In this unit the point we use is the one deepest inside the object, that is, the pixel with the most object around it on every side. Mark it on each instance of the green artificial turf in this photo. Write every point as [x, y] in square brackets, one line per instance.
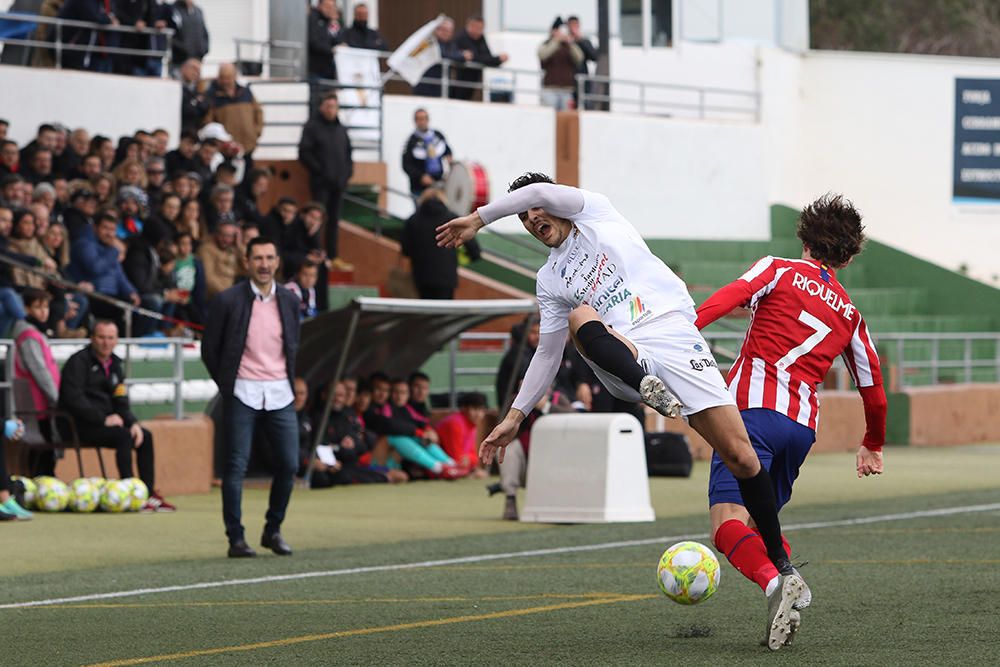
[902, 591]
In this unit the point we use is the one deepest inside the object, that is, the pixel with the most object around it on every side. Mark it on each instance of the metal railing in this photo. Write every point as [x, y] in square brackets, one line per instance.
[246, 48]
[668, 99]
[58, 45]
[941, 358]
[125, 351]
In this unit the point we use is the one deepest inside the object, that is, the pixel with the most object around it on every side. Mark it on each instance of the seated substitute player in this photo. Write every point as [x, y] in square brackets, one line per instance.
[801, 320]
[633, 321]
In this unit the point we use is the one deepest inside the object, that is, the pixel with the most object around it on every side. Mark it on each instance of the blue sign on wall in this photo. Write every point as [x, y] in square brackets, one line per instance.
[977, 141]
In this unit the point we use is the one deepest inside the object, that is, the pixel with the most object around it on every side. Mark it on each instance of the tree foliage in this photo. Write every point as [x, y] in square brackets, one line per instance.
[937, 27]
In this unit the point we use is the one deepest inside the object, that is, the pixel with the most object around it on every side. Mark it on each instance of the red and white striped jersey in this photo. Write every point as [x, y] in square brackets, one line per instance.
[801, 320]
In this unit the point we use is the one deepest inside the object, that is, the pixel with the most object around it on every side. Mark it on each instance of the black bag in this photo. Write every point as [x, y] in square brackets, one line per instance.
[668, 455]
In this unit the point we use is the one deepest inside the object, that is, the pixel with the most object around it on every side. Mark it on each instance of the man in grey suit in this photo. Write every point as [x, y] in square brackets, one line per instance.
[251, 337]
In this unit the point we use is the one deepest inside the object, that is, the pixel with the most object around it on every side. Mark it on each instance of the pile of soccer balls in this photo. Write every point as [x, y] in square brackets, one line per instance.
[688, 573]
[87, 494]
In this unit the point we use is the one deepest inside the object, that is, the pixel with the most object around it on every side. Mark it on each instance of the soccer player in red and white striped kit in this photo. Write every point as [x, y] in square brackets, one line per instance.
[801, 320]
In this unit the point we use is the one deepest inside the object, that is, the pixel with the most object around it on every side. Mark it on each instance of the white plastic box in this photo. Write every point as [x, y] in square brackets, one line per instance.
[587, 468]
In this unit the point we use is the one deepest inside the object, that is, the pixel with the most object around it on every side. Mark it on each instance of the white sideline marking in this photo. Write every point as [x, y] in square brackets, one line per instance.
[944, 511]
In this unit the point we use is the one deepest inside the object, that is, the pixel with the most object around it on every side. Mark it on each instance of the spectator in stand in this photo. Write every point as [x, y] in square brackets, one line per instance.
[43, 214]
[105, 149]
[360, 36]
[301, 242]
[131, 172]
[131, 204]
[156, 176]
[191, 222]
[12, 191]
[220, 207]
[138, 14]
[435, 269]
[46, 138]
[324, 35]
[194, 186]
[61, 186]
[444, 33]
[161, 140]
[193, 104]
[190, 36]
[228, 151]
[105, 187]
[459, 432]
[473, 40]
[22, 240]
[4, 126]
[67, 310]
[11, 306]
[90, 167]
[304, 287]
[417, 442]
[420, 393]
[236, 108]
[33, 362]
[426, 154]
[282, 214]
[249, 193]
[205, 162]
[93, 391]
[515, 361]
[183, 159]
[220, 255]
[77, 148]
[169, 214]
[189, 279]
[40, 168]
[10, 158]
[560, 58]
[143, 266]
[94, 258]
[345, 434]
[590, 55]
[325, 150]
[79, 217]
[90, 11]
[128, 149]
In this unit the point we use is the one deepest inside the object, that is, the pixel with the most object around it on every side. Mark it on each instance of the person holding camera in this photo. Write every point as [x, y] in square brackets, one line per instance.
[560, 57]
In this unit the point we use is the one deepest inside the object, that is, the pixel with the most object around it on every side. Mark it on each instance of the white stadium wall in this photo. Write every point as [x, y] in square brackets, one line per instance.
[102, 103]
[678, 179]
[880, 128]
[506, 139]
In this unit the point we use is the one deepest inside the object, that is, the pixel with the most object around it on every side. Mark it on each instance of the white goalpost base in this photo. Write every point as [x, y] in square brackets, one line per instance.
[587, 468]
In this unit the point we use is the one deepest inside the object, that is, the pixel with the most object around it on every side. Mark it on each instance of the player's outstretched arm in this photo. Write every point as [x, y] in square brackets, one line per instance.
[502, 435]
[457, 231]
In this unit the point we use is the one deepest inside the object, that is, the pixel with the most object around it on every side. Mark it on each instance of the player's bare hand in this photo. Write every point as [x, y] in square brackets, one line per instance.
[496, 442]
[454, 233]
[868, 462]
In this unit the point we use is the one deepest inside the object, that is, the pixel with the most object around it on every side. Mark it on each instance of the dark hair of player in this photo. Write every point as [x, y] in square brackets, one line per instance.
[831, 228]
[417, 375]
[529, 178]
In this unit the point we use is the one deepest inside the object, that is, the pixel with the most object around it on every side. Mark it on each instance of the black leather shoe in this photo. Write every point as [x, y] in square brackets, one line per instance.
[240, 549]
[276, 543]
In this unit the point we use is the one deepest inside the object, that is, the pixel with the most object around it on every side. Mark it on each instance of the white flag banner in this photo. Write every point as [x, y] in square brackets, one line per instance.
[418, 53]
[359, 67]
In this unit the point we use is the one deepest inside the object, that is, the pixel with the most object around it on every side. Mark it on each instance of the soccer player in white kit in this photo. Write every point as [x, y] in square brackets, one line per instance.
[633, 321]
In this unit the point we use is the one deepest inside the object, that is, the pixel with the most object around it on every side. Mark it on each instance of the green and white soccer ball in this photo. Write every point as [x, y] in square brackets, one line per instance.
[139, 493]
[99, 482]
[51, 495]
[85, 495]
[30, 491]
[116, 496]
[688, 573]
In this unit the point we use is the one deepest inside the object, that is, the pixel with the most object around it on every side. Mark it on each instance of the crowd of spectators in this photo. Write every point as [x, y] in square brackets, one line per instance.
[85, 217]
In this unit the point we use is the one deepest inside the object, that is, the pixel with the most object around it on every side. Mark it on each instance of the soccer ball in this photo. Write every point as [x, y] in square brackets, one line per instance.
[98, 482]
[30, 491]
[116, 496]
[85, 496]
[52, 495]
[688, 573]
[139, 495]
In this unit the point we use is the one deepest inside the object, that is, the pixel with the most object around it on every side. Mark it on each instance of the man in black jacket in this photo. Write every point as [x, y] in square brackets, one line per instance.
[191, 36]
[249, 346]
[92, 389]
[325, 151]
[472, 40]
[360, 36]
[426, 154]
[324, 34]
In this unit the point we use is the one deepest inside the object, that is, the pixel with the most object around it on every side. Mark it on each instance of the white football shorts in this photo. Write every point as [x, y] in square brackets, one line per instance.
[671, 348]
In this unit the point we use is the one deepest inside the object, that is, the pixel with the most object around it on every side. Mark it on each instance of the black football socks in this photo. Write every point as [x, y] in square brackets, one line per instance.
[604, 349]
[759, 499]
